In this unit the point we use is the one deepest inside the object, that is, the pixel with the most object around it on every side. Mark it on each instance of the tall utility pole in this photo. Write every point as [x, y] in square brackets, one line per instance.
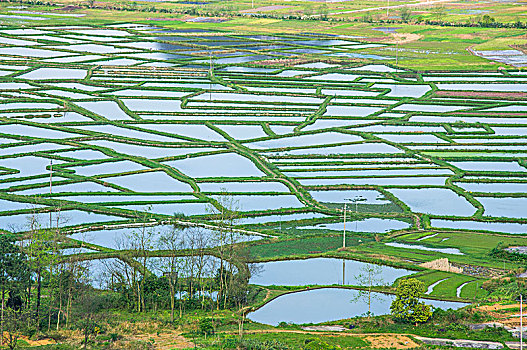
[344, 232]
[521, 322]
[50, 188]
[343, 272]
[210, 73]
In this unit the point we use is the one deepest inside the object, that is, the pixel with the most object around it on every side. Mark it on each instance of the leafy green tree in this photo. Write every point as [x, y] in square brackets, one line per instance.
[438, 12]
[318, 344]
[13, 274]
[405, 13]
[407, 307]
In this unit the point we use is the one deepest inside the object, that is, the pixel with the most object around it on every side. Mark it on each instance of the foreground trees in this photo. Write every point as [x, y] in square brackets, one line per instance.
[14, 272]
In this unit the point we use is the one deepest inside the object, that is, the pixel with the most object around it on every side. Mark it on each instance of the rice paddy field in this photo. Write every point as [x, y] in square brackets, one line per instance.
[109, 126]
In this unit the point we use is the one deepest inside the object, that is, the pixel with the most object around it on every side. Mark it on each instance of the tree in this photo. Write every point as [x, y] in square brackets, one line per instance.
[405, 13]
[127, 272]
[14, 272]
[225, 238]
[438, 12]
[369, 275]
[171, 241]
[407, 306]
[43, 253]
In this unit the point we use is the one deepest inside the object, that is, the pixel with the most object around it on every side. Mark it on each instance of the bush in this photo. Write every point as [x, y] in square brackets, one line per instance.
[205, 326]
[317, 344]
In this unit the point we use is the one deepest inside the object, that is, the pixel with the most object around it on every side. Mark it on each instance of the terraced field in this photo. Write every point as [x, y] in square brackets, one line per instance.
[103, 127]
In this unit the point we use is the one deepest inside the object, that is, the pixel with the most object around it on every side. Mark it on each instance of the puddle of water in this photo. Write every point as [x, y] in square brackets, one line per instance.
[484, 87]
[76, 187]
[489, 166]
[327, 304]
[428, 108]
[33, 131]
[349, 196]
[453, 251]
[379, 181]
[108, 168]
[54, 73]
[400, 90]
[28, 105]
[435, 201]
[68, 94]
[506, 207]
[364, 173]
[225, 96]
[20, 222]
[200, 132]
[243, 132]
[111, 130]
[163, 93]
[319, 271]
[279, 218]
[333, 92]
[335, 77]
[217, 165]
[350, 111]
[153, 105]
[149, 182]
[187, 209]
[75, 59]
[493, 187]
[415, 138]
[121, 197]
[305, 140]
[363, 148]
[107, 109]
[367, 225]
[506, 227]
[264, 202]
[147, 151]
[232, 186]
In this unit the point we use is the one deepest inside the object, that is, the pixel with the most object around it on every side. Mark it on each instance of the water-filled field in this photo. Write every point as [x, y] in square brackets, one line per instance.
[118, 125]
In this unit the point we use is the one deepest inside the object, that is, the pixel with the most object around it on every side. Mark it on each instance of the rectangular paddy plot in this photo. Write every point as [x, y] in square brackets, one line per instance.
[160, 126]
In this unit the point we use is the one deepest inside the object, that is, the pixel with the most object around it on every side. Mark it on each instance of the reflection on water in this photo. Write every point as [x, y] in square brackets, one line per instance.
[327, 304]
[319, 271]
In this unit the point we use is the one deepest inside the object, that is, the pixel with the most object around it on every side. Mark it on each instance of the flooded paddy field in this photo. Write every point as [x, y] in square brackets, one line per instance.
[103, 130]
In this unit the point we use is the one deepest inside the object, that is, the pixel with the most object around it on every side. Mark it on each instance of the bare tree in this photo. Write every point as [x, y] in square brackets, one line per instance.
[369, 276]
[225, 238]
[172, 265]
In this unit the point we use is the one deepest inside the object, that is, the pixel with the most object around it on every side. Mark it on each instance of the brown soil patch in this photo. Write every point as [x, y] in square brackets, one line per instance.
[284, 61]
[403, 38]
[497, 307]
[391, 342]
[166, 341]
[483, 94]
[69, 8]
[40, 342]
[465, 36]
[499, 312]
